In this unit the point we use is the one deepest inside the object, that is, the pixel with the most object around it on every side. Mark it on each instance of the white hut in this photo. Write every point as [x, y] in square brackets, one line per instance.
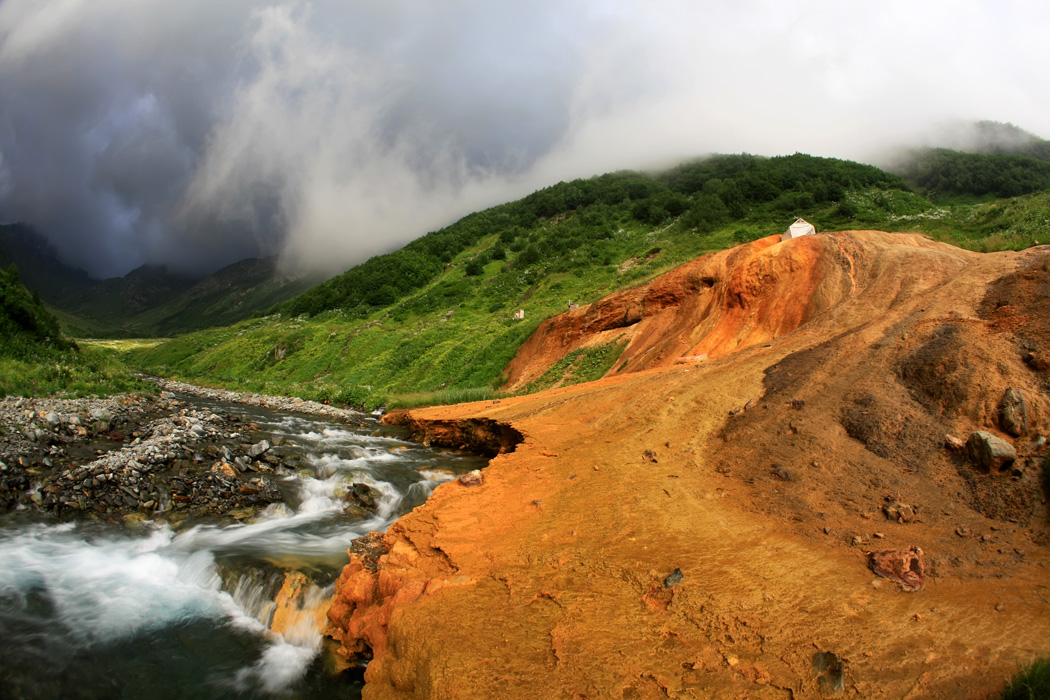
[801, 227]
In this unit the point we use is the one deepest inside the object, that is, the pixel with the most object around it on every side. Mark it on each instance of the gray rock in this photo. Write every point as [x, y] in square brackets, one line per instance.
[259, 449]
[674, 579]
[100, 414]
[991, 452]
[53, 419]
[1013, 416]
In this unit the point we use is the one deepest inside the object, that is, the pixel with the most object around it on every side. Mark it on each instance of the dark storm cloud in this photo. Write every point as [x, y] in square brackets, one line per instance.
[196, 133]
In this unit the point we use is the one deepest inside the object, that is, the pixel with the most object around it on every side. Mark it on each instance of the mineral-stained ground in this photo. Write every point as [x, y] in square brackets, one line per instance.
[705, 521]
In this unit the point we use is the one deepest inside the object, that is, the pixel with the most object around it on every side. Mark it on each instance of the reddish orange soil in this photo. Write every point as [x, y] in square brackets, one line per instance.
[855, 353]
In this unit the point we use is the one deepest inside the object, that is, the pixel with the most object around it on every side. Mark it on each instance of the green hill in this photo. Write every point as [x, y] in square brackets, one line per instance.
[977, 161]
[27, 329]
[36, 359]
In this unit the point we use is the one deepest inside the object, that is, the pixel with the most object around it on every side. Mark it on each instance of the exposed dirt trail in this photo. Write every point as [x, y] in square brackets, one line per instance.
[547, 580]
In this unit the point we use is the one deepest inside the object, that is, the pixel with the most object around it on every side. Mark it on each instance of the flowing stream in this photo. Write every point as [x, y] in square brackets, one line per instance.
[91, 610]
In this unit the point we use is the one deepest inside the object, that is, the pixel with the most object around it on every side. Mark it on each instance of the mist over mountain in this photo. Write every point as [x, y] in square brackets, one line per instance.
[193, 135]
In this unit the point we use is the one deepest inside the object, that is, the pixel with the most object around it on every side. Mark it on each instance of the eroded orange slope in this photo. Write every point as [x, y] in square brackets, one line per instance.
[548, 579]
[737, 298]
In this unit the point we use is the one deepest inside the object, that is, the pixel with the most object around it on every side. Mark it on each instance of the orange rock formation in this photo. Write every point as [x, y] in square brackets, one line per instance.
[854, 354]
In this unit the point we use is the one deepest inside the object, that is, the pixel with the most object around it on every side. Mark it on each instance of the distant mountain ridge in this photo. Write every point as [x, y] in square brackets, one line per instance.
[148, 301]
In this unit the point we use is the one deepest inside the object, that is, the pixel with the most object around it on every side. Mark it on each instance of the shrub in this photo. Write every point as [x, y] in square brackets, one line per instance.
[1031, 682]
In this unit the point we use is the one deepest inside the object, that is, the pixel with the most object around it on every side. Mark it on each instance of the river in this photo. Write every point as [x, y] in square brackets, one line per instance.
[96, 610]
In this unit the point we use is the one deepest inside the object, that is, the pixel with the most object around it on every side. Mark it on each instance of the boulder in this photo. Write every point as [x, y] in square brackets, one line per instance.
[905, 566]
[991, 452]
[363, 496]
[225, 470]
[1013, 417]
[899, 512]
[258, 449]
[473, 478]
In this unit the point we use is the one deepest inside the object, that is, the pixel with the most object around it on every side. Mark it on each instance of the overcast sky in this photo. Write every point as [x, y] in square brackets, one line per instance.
[199, 132]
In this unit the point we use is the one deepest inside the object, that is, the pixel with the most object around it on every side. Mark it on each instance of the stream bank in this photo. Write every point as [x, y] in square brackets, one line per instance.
[177, 545]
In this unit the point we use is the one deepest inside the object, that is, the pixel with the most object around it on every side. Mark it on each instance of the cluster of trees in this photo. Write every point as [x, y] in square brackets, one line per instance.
[699, 196]
[945, 175]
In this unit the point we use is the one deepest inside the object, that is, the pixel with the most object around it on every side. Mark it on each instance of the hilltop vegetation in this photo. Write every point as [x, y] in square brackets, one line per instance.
[950, 176]
[977, 162]
[36, 359]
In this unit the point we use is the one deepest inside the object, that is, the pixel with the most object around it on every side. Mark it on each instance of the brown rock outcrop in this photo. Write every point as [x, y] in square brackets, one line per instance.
[738, 298]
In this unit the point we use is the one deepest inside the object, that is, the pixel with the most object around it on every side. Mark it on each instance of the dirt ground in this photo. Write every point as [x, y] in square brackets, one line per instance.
[703, 529]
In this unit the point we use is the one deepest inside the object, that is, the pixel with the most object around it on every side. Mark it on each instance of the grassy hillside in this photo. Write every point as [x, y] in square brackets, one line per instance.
[436, 316]
[36, 359]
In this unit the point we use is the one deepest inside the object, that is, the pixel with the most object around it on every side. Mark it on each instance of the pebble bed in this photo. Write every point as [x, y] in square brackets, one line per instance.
[154, 456]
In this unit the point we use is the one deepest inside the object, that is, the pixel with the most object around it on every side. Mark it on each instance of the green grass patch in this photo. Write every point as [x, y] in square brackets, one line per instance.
[444, 397]
[581, 365]
[71, 374]
[1031, 682]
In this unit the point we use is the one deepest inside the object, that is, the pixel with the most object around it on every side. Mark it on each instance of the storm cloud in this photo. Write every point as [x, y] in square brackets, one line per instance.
[197, 133]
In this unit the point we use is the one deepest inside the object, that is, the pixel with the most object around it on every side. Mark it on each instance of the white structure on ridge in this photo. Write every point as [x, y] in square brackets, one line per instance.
[801, 227]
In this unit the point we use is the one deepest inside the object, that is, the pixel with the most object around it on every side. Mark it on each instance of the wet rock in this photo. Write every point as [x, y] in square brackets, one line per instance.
[355, 511]
[990, 452]
[258, 449]
[363, 496]
[674, 578]
[907, 567]
[473, 478]
[225, 470]
[1013, 416]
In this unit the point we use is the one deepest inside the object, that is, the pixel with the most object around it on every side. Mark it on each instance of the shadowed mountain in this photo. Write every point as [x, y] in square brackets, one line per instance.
[148, 301]
[38, 264]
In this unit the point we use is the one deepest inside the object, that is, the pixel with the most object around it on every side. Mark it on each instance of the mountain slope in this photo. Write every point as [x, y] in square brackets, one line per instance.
[229, 295]
[709, 525]
[39, 266]
[118, 298]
